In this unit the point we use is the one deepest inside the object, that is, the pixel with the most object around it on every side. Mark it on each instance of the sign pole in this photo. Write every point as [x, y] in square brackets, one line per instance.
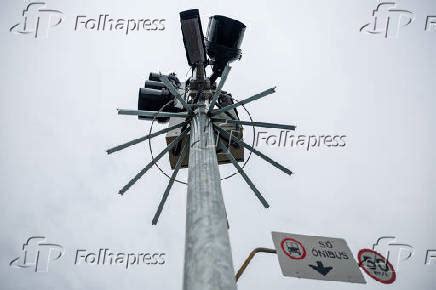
[208, 258]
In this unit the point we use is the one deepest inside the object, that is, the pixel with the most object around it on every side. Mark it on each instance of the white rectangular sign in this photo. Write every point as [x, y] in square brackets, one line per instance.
[313, 257]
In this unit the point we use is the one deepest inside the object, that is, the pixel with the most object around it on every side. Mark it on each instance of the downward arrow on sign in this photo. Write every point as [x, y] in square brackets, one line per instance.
[320, 268]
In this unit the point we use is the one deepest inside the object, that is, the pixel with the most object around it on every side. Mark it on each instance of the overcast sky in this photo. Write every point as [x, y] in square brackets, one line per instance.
[58, 95]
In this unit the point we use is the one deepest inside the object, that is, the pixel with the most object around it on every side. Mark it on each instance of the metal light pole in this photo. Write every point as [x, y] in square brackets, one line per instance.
[208, 258]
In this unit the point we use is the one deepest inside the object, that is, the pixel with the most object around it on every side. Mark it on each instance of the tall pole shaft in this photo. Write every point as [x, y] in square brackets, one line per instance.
[208, 258]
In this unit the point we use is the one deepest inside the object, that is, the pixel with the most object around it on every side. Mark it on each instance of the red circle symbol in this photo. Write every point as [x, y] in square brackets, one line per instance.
[293, 249]
[376, 266]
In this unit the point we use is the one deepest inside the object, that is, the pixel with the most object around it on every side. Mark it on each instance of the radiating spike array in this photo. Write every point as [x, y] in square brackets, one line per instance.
[232, 139]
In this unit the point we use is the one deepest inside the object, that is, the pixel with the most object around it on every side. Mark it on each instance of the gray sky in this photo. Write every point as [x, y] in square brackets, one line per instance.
[58, 97]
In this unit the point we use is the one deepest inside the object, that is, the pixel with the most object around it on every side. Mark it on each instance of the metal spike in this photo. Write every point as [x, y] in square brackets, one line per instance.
[156, 159]
[244, 176]
[243, 102]
[175, 93]
[256, 124]
[228, 114]
[151, 114]
[170, 184]
[146, 137]
[258, 153]
[217, 93]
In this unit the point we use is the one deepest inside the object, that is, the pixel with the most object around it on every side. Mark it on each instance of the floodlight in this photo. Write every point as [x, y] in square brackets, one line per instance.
[223, 42]
[193, 37]
[154, 100]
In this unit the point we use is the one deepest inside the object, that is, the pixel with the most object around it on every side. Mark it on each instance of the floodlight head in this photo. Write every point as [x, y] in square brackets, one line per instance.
[223, 41]
[153, 100]
[155, 96]
[193, 37]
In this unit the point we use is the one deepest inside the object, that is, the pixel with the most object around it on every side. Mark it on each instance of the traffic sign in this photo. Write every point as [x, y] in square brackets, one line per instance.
[376, 266]
[315, 257]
